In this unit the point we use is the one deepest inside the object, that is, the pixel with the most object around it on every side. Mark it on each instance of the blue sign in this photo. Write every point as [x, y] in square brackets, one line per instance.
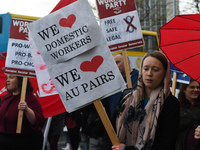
[181, 76]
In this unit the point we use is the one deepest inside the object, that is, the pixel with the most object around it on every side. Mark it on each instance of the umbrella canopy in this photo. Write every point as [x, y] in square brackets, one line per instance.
[180, 41]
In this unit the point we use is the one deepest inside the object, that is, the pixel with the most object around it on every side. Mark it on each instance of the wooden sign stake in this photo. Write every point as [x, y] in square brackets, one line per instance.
[174, 83]
[127, 71]
[106, 122]
[22, 99]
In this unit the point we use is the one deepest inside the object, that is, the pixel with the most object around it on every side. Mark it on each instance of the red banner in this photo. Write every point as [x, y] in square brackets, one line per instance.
[62, 4]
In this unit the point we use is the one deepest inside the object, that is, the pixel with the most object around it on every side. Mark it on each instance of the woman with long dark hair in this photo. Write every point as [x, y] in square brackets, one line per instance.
[31, 137]
[189, 97]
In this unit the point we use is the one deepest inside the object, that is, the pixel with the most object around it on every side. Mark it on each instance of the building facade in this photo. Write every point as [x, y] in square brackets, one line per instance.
[155, 13]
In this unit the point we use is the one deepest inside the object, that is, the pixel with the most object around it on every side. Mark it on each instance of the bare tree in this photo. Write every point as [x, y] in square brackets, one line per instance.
[197, 5]
[190, 7]
[94, 8]
[153, 13]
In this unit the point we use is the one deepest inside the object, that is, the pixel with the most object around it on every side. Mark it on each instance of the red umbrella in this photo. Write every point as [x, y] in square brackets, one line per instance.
[180, 41]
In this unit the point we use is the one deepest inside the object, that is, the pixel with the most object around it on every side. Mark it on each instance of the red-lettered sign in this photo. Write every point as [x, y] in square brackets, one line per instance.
[19, 58]
[120, 24]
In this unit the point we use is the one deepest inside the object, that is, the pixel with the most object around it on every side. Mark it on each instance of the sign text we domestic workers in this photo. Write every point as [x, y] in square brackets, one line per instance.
[65, 36]
[53, 30]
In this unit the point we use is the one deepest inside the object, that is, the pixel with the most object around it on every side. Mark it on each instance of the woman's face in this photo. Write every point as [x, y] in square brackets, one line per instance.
[192, 91]
[12, 84]
[152, 73]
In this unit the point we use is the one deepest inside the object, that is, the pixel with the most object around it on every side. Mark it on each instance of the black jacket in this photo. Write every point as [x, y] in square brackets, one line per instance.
[167, 127]
[186, 123]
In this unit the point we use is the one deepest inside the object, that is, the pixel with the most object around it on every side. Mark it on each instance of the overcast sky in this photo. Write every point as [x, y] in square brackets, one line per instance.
[37, 8]
[41, 8]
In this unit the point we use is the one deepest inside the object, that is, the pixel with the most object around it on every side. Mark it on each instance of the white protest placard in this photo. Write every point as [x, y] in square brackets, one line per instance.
[120, 24]
[86, 73]
[65, 33]
[87, 77]
[19, 59]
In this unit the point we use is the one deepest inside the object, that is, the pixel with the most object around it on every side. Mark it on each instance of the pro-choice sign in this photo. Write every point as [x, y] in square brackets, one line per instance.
[76, 54]
[120, 24]
[19, 59]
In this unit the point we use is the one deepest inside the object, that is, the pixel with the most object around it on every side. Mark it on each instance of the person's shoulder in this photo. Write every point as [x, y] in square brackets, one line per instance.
[171, 105]
[171, 99]
[7, 95]
[31, 96]
[135, 71]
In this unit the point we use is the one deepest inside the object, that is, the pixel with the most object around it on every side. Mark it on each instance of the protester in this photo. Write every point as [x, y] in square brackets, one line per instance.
[31, 136]
[94, 127]
[73, 123]
[113, 100]
[55, 130]
[189, 97]
[148, 117]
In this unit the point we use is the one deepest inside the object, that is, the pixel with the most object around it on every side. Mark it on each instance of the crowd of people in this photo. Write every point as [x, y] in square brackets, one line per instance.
[145, 117]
